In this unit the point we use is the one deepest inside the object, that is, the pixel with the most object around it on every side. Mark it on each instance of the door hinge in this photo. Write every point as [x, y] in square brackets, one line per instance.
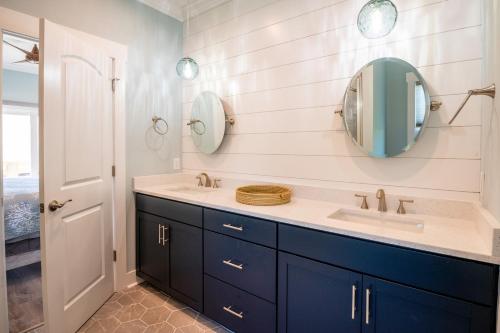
[42, 208]
[114, 255]
[113, 83]
[113, 171]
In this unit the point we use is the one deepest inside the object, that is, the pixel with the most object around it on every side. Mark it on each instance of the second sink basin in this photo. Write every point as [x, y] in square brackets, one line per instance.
[379, 219]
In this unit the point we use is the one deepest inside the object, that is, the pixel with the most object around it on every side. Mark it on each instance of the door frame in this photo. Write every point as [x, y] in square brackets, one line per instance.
[24, 24]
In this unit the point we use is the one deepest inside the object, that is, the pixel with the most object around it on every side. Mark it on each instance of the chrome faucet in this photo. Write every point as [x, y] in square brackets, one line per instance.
[207, 183]
[382, 205]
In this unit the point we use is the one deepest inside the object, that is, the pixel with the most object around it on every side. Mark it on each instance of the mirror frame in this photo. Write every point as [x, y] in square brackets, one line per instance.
[427, 107]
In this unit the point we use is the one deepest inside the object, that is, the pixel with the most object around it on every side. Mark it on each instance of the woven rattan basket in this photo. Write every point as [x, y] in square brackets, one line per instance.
[263, 195]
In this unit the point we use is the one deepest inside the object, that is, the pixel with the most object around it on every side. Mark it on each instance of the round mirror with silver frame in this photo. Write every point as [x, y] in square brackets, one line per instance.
[386, 107]
[208, 122]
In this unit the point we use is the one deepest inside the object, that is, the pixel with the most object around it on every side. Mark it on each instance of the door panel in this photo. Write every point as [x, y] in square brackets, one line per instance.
[153, 254]
[186, 262]
[395, 308]
[82, 269]
[77, 138]
[314, 297]
[84, 110]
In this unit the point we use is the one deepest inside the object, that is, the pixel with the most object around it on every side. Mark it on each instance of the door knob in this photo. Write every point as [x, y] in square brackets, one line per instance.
[55, 205]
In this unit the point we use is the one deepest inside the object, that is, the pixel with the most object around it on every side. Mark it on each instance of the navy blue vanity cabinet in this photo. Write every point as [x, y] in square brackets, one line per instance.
[401, 290]
[169, 248]
[391, 307]
[153, 254]
[314, 297]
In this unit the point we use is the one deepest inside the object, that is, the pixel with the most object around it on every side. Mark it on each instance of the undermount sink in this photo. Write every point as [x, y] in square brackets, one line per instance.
[379, 219]
[188, 189]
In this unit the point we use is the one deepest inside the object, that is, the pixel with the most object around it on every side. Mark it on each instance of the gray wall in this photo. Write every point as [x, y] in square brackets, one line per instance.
[154, 43]
[20, 87]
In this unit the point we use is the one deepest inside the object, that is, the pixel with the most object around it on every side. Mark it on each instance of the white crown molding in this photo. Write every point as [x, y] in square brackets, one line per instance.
[179, 9]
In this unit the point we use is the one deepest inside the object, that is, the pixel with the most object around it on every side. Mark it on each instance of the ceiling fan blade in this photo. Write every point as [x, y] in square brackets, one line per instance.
[20, 61]
[16, 47]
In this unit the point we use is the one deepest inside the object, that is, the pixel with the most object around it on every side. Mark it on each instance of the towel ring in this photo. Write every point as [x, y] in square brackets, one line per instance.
[157, 128]
[192, 124]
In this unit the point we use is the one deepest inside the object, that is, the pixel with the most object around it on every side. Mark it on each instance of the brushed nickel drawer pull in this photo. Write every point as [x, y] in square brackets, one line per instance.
[353, 302]
[230, 263]
[164, 238]
[232, 227]
[234, 313]
[367, 318]
[159, 234]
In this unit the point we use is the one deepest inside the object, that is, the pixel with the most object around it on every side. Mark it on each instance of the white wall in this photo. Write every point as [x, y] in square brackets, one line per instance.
[282, 66]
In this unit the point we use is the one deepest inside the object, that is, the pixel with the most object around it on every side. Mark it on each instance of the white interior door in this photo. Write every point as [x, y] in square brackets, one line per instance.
[77, 152]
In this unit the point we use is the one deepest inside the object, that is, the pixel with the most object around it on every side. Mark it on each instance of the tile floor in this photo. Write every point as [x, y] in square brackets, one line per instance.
[143, 309]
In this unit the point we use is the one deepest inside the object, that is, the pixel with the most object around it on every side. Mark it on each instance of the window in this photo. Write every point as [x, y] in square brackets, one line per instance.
[20, 141]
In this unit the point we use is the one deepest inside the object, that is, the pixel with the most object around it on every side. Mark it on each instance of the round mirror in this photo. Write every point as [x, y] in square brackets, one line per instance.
[208, 122]
[386, 107]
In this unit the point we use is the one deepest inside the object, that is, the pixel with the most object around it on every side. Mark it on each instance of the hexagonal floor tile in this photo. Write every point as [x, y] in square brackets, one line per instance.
[130, 312]
[156, 315]
[184, 317]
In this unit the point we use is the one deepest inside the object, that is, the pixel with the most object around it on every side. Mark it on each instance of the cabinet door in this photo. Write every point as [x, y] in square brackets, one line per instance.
[152, 249]
[314, 297]
[389, 307]
[186, 263]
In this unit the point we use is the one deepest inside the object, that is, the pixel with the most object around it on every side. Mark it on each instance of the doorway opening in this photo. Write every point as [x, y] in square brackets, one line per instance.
[20, 156]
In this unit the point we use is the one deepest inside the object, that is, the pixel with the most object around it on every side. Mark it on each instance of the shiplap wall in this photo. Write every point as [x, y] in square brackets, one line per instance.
[281, 68]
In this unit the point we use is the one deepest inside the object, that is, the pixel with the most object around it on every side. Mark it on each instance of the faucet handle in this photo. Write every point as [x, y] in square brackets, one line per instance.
[364, 204]
[401, 208]
[215, 184]
[200, 183]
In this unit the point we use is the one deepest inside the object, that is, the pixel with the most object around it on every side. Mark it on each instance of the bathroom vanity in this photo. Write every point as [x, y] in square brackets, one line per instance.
[255, 274]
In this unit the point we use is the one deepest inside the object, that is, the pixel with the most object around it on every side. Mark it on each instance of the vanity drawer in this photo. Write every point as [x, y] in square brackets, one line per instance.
[464, 279]
[238, 310]
[243, 227]
[170, 209]
[242, 264]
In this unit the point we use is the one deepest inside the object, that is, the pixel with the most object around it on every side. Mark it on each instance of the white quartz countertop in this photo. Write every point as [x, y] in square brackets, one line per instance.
[444, 235]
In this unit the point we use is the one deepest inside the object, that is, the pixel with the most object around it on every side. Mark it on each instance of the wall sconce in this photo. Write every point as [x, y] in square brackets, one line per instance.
[377, 18]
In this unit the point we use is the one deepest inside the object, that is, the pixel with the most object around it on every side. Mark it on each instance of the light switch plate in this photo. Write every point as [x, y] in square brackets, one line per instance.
[177, 163]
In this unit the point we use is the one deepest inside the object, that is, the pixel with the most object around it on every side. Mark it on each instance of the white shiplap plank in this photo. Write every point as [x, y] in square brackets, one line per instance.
[445, 174]
[324, 119]
[455, 142]
[195, 30]
[444, 79]
[334, 68]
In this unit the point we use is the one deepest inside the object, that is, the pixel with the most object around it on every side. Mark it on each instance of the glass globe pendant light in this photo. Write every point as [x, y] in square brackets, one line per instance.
[377, 18]
[187, 68]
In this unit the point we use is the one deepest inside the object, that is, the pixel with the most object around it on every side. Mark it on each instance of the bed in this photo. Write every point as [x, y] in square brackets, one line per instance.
[21, 208]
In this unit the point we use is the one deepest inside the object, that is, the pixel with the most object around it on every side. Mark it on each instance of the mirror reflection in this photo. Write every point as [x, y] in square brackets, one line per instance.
[208, 122]
[386, 106]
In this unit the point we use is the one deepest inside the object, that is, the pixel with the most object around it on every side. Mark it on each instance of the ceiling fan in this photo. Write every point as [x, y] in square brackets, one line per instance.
[31, 57]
